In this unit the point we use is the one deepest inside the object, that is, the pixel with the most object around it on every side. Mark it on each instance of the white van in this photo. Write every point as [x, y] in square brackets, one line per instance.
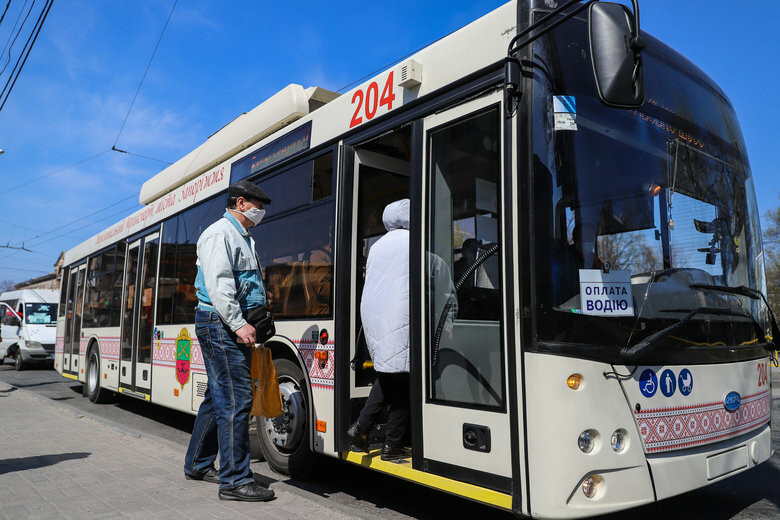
[29, 326]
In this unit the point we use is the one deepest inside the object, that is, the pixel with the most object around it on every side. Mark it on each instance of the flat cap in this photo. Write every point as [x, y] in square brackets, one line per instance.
[248, 190]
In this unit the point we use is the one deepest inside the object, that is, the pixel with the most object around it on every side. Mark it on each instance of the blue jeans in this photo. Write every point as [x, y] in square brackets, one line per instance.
[223, 417]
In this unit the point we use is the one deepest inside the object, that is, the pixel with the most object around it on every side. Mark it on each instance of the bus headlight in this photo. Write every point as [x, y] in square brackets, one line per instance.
[33, 345]
[590, 485]
[586, 440]
[619, 440]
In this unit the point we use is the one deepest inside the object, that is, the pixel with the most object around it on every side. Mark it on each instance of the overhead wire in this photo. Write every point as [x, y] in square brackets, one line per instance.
[18, 16]
[5, 11]
[144, 76]
[26, 50]
[17, 34]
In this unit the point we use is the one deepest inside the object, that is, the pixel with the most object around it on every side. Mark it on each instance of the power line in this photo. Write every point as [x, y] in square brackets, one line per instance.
[18, 16]
[5, 11]
[18, 269]
[26, 50]
[55, 171]
[17, 34]
[77, 229]
[145, 72]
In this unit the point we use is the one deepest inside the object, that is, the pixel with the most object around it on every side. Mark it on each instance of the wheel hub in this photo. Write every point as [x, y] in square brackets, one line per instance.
[286, 431]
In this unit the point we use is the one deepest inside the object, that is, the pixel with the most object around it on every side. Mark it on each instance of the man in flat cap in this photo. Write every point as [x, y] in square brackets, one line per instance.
[228, 284]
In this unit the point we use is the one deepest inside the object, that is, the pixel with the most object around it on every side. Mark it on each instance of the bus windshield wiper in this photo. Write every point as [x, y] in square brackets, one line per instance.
[630, 355]
[755, 294]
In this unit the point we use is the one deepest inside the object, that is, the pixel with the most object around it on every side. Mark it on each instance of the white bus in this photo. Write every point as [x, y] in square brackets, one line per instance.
[590, 194]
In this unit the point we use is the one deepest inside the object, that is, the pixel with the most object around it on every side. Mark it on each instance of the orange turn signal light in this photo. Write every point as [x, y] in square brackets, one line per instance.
[322, 426]
[321, 355]
[574, 381]
[105, 376]
[176, 392]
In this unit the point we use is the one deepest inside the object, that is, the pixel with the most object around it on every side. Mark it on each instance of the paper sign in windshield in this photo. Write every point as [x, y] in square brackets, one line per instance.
[606, 294]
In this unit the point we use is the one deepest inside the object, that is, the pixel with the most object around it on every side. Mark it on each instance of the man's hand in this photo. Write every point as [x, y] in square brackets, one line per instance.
[246, 334]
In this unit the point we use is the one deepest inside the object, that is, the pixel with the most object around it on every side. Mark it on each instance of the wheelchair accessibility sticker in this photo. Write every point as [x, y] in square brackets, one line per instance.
[648, 383]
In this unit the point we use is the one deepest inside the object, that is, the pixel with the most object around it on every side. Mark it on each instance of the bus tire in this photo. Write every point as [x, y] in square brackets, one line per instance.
[92, 386]
[288, 452]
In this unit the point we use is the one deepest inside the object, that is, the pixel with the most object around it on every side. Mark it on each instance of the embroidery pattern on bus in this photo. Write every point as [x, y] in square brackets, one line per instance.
[320, 376]
[109, 348]
[676, 428]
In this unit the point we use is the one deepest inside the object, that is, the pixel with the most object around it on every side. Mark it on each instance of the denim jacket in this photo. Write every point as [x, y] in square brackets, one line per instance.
[228, 280]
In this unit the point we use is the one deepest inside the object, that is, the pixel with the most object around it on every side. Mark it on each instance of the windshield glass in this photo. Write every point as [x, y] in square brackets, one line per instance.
[659, 198]
[40, 313]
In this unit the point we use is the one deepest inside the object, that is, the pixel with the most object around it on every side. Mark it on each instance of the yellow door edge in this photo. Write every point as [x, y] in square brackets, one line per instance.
[404, 470]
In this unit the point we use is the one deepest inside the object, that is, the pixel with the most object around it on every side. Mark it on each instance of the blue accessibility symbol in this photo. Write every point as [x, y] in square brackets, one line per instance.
[648, 383]
[668, 383]
[685, 381]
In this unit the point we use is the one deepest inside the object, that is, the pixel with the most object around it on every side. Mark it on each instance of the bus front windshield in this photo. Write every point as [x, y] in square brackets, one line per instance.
[40, 313]
[663, 193]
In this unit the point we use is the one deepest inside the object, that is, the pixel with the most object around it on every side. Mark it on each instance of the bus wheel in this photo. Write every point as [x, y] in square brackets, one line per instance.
[94, 392]
[284, 440]
[19, 362]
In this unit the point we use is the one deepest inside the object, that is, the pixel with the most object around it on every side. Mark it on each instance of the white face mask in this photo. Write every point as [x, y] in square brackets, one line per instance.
[254, 214]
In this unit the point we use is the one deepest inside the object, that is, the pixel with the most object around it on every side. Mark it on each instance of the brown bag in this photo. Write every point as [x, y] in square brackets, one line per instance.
[266, 397]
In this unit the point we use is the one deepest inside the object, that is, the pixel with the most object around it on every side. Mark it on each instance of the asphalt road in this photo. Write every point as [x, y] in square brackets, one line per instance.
[748, 496]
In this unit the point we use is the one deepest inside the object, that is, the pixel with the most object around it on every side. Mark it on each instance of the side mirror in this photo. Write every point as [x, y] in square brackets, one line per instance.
[615, 54]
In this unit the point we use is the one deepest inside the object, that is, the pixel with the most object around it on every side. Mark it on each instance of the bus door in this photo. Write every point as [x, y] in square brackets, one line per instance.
[465, 418]
[73, 312]
[138, 307]
[380, 176]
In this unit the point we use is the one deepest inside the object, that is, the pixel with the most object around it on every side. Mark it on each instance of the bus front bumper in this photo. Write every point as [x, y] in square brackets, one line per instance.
[675, 473]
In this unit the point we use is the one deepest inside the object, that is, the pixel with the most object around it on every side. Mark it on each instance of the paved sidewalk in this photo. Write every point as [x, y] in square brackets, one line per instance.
[57, 463]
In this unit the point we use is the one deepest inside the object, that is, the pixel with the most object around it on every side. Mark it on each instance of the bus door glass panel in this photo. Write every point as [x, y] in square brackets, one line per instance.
[74, 339]
[128, 305]
[381, 177]
[464, 367]
[145, 308]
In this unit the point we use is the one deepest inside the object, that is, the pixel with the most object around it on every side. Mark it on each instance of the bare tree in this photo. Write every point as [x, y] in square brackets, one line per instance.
[7, 285]
[772, 256]
[629, 251]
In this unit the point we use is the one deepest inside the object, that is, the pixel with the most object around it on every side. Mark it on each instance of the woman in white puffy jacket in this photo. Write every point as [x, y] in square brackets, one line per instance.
[384, 310]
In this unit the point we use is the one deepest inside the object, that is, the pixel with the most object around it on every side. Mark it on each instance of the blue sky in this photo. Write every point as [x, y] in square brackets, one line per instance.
[219, 59]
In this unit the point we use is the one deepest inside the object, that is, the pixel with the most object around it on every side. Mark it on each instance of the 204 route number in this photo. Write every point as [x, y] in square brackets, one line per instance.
[763, 376]
[369, 101]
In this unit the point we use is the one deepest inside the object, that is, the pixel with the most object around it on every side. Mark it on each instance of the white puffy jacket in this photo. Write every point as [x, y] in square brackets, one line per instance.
[384, 308]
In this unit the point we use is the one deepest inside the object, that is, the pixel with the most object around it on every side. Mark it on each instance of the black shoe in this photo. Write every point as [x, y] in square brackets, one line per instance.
[252, 492]
[395, 454]
[210, 475]
[358, 437]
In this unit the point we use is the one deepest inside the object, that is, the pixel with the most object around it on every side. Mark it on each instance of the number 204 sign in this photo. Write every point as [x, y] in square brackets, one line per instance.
[374, 99]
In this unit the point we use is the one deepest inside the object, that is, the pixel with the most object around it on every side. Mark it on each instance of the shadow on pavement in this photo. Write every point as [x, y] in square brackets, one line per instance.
[7, 391]
[385, 492]
[40, 461]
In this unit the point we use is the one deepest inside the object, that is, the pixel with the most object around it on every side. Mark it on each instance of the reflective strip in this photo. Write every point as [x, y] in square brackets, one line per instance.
[404, 470]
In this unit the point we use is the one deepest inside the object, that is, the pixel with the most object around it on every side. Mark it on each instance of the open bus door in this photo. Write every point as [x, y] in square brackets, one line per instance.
[465, 412]
[377, 174]
[460, 424]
